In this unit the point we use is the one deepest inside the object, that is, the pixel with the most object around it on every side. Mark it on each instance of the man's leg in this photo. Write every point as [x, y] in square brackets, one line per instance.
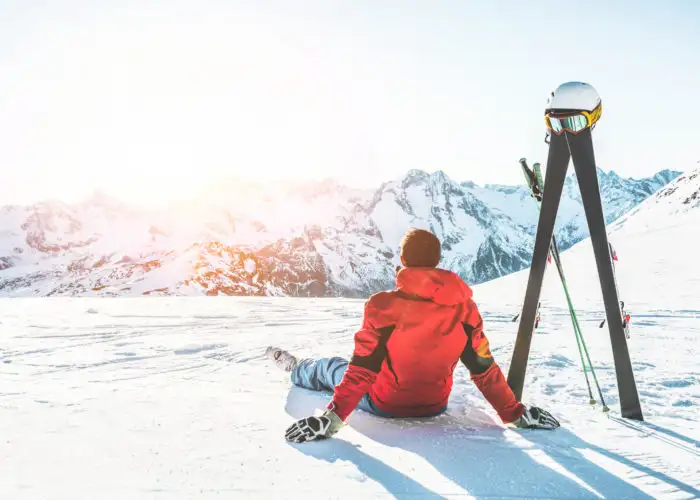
[324, 374]
[319, 374]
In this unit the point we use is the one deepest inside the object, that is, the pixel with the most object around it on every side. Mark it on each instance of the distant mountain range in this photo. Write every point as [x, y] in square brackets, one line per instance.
[317, 239]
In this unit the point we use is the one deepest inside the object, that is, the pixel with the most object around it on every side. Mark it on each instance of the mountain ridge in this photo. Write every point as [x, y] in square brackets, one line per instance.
[313, 239]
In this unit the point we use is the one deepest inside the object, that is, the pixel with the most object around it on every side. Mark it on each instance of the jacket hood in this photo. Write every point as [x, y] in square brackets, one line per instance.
[437, 285]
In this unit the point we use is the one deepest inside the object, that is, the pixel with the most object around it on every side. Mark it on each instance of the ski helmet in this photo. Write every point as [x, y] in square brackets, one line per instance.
[572, 107]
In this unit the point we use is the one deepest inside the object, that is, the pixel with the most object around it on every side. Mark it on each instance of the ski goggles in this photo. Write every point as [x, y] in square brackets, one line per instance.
[559, 122]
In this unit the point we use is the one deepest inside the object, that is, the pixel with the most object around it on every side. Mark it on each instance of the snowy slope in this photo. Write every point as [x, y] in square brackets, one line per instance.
[318, 239]
[657, 246]
[172, 398]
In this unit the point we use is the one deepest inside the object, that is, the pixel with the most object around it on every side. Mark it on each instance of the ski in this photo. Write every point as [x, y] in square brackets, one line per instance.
[533, 180]
[581, 147]
[557, 164]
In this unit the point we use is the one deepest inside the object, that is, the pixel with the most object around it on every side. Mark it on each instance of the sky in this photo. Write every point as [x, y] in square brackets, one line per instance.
[153, 100]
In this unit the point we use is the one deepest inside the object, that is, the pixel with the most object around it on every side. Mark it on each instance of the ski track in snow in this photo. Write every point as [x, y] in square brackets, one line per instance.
[173, 398]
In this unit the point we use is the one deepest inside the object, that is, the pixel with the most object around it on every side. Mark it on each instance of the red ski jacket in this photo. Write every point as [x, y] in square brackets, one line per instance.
[409, 344]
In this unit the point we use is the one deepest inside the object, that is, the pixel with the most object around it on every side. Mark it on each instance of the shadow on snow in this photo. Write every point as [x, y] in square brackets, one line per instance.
[476, 454]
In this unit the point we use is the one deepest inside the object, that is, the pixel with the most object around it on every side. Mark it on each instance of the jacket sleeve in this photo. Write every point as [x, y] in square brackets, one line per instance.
[485, 373]
[366, 362]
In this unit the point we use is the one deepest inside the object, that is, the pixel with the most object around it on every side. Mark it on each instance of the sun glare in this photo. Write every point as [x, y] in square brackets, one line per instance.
[152, 118]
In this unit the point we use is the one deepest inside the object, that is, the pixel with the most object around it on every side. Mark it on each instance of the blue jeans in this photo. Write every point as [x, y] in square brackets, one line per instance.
[324, 374]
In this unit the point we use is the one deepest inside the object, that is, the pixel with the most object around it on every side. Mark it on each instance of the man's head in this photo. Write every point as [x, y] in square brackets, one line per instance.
[420, 248]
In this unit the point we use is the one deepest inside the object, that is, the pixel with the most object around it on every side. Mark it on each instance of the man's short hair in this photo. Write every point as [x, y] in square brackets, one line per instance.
[420, 248]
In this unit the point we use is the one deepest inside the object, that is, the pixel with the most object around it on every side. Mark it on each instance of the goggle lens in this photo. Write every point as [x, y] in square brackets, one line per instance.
[573, 123]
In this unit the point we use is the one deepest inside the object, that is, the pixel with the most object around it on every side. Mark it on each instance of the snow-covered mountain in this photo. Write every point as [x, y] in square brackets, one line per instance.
[318, 239]
[619, 195]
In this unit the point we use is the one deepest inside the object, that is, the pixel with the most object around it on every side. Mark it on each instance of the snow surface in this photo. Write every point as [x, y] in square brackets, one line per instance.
[173, 398]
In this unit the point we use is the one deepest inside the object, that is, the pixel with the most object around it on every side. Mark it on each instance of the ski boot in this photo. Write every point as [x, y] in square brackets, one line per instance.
[283, 359]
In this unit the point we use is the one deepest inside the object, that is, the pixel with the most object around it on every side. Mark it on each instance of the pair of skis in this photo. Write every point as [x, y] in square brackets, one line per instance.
[567, 147]
[533, 178]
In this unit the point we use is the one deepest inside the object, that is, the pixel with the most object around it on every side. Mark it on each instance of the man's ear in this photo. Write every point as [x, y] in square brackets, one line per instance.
[403, 262]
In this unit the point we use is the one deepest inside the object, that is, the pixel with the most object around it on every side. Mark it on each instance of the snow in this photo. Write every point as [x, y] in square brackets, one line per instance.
[515, 202]
[173, 397]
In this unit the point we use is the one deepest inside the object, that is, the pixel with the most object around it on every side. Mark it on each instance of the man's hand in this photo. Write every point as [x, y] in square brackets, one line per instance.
[536, 418]
[310, 428]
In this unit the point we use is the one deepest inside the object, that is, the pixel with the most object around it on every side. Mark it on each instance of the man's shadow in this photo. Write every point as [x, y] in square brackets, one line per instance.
[476, 454]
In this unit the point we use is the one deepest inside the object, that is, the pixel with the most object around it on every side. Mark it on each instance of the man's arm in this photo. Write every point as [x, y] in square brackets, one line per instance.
[485, 373]
[366, 362]
[368, 355]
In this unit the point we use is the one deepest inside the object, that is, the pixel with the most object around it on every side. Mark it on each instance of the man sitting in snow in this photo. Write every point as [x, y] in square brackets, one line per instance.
[406, 351]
